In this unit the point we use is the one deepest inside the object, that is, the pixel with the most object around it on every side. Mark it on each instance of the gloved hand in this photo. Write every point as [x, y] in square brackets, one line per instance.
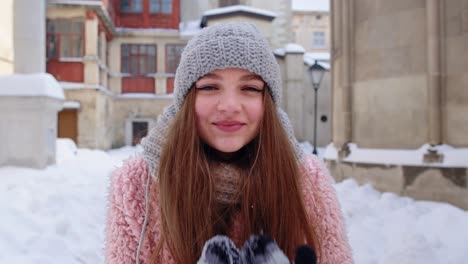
[259, 249]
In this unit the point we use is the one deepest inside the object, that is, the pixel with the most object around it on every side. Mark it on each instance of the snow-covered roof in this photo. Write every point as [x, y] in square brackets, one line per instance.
[71, 105]
[453, 157]
[76, 2]
[38, 84]
[322, 58]
[239, 8]
[83, 86]
[311, 5]
[290, 48]
[294, 48]
[190, 28]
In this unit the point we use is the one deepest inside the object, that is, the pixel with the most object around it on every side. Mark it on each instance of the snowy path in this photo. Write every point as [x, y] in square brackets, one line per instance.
[57, 216]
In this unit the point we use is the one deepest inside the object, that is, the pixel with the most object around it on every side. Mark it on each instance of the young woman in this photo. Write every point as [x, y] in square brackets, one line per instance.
[223, 160]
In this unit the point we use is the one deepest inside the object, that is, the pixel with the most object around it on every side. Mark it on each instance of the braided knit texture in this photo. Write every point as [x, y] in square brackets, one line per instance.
[221, 46]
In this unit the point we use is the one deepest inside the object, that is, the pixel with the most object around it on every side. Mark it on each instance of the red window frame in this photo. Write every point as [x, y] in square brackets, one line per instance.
[67, 32]
[160, 6]
[132, 7]
[138, 59]
[171, 66]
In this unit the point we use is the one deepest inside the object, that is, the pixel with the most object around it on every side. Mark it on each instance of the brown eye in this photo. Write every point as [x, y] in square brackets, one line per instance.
[206, 88]
[252, 89]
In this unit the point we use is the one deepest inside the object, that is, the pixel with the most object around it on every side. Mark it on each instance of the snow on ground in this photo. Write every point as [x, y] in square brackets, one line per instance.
[57, 215]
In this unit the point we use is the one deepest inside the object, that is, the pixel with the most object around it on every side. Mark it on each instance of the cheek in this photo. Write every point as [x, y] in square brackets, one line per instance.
[202, 111]
[256, 112]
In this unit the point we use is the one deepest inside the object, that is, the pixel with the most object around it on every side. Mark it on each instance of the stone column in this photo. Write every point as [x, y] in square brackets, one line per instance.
[434, 80]
[294, 80]
[348, 38]
[29, 36]
[91, 66]
[342, 64]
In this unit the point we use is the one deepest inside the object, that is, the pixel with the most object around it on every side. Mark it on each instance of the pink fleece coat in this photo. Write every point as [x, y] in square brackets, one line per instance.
[126, 211]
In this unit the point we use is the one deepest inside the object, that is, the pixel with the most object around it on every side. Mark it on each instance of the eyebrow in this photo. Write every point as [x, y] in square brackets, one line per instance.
[210, 76]
[246, 77]
[251, 77]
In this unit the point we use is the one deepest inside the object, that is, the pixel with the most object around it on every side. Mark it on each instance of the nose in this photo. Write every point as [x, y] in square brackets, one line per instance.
[229, 102]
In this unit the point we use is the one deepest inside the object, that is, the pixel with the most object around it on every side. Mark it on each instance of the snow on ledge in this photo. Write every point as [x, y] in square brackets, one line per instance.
[76, 2]
[453, 157]
[237, 8]
[311, 5]
[145, 95]
[294, 48]
[189, 28]
[71, 105]
[146, 31]
[38, 84]
[280, 52]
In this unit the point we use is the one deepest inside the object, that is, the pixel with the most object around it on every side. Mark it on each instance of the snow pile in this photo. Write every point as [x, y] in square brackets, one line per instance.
[57, 215]
[65, 149]
[386, 228]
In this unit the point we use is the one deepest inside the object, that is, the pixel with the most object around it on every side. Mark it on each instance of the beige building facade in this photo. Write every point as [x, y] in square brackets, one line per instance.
[311, 29]
[280, 36]
[105, 111]
[399, 78]
[108, 105]
[6, 38]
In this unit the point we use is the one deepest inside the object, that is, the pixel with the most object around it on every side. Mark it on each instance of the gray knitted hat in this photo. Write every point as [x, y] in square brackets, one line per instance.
[227, 45]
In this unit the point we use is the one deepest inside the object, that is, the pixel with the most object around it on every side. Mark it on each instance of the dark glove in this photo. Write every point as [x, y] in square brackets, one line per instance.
[219, 250]
[259, 249]
[305, 255]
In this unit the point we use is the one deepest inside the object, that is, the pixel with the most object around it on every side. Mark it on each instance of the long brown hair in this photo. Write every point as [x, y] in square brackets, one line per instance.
[270, 193]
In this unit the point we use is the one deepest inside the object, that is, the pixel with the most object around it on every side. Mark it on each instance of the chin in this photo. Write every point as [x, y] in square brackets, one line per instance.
[228, 148]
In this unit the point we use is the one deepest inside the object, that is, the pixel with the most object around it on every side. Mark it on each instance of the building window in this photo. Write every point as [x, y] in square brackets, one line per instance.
[318, 39]
[65, 38]
[160, 6]
[223, 3]
[138, 59]
[131, 6]
[173, 53]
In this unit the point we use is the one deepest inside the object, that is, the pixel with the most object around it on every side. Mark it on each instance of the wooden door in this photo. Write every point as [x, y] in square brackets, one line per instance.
[139, 131]
[68, 124]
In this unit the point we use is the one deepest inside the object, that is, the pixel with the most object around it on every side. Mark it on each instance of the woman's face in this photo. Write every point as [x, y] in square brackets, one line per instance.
[229, 108]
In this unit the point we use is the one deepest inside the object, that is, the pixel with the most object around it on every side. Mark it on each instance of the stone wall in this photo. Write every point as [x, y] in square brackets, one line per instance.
[127, 109]
[399, 78]
[298, 99]
[94, 117]
[425, 183]
[399, 73]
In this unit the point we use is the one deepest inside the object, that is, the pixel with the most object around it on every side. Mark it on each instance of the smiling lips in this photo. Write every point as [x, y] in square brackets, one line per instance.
[229, 126]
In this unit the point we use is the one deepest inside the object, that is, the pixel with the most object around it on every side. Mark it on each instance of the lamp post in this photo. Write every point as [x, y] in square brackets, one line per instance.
[316, 72]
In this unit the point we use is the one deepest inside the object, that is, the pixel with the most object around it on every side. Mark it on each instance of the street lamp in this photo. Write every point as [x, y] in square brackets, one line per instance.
[316, 72]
